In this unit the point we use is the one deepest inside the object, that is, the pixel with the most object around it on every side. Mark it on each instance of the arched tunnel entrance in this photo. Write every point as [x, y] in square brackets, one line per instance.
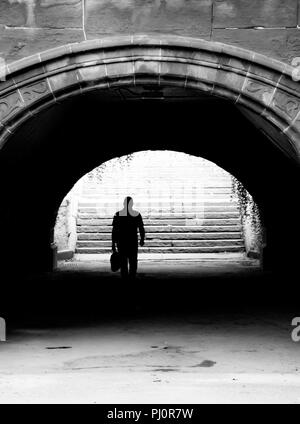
[191, 208]
[66, 111]
[49, 153]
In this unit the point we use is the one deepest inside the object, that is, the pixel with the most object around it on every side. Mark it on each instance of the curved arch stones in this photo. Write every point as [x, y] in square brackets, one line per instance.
[257, 84]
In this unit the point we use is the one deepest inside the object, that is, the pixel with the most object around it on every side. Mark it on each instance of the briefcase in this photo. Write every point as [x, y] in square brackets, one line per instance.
[115, 261]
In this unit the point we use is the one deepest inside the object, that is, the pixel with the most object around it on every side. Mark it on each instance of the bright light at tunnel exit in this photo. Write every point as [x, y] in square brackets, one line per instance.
[188, 203]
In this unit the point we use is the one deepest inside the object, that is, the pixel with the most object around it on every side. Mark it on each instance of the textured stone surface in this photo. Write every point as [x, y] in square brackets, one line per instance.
[61, 227]
[287, 106]
[281, 44]
[253, 13]
[17, 43]
[31, 26]
[42, 13]
[10, 105]
[12, 14]
[34, 92]
[132, 16]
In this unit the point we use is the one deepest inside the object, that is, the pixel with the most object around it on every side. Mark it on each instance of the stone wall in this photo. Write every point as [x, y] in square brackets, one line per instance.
[65, 236]
[61, 234]
[266, 26]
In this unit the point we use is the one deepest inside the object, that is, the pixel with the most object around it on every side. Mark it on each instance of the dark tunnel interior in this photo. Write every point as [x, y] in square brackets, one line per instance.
[49, 153]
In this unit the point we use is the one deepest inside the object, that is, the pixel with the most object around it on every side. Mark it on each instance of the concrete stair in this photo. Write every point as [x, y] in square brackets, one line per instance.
[180, 216]
[213, 229]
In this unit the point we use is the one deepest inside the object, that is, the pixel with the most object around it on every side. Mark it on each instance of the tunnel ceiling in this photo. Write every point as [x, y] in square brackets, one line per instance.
[61, 144]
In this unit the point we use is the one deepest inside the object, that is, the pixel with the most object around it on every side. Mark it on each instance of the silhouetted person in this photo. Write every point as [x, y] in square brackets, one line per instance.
[126, 224]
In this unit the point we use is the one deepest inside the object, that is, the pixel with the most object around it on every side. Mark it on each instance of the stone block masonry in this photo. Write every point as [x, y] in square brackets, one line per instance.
[269, 27]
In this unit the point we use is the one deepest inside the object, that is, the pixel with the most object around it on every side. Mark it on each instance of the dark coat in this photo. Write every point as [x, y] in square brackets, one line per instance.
[125, 230]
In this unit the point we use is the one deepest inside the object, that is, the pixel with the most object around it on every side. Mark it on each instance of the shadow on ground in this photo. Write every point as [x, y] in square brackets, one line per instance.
[88, 290]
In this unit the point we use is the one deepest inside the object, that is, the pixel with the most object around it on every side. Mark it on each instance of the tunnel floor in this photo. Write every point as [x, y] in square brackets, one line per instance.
[188, 331]
[236, 358]
[158, 266]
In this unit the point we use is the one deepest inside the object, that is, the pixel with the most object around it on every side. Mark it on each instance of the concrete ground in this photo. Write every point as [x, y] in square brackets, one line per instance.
[149, 354]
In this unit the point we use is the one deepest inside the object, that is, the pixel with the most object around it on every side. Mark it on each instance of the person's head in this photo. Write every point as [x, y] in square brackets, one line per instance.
[128, 202]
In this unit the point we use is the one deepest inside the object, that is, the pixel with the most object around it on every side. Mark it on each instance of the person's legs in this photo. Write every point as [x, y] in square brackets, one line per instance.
[124, 265]
[133, 263]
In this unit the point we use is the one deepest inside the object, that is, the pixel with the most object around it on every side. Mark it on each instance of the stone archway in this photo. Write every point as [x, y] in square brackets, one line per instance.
[41, 90]
[263, 88]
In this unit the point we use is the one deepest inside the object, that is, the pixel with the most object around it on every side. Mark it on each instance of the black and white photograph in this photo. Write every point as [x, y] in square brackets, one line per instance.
[149, 205]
